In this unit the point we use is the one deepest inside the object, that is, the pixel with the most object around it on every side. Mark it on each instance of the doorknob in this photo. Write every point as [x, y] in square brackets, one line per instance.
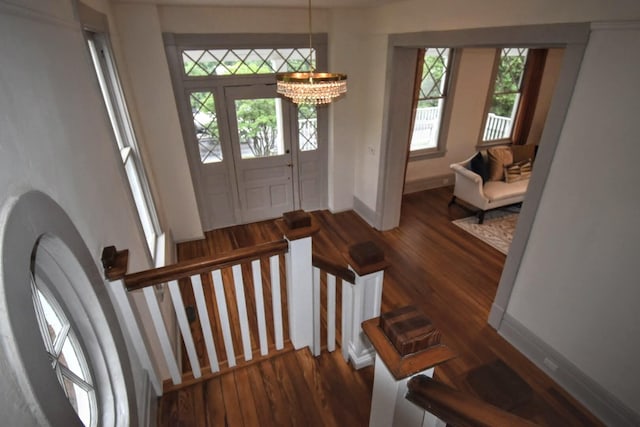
[290, 165]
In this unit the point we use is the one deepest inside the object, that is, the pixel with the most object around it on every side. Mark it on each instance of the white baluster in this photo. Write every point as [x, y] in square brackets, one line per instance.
[259, 298]
[300, 292]
[331, 312]
[130, 320]
[276, 301]
[242, 311]
[183, 323]
[317, 347]
[205, 322]
[223, 312]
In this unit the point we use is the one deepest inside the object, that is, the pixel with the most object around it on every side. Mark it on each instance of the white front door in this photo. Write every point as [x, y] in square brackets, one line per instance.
[260, 131]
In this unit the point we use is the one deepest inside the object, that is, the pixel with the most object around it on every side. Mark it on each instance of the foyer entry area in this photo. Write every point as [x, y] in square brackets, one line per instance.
[432, 263]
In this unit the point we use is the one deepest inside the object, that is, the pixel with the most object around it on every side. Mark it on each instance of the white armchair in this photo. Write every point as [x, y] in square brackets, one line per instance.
[485, 196]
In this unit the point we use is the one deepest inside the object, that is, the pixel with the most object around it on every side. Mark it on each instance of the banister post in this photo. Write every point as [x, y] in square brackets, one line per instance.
[115, 264]
[406, 344]
[362, 300]
[298, 227]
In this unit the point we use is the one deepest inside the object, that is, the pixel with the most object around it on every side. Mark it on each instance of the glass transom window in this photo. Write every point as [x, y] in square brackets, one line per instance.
[65, 355]
[228, 62]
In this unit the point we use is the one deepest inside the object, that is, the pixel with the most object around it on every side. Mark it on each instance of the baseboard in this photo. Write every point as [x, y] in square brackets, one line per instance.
[428, 183]
[367, 358]
[365, 212]
[495, 316]
[599, 401]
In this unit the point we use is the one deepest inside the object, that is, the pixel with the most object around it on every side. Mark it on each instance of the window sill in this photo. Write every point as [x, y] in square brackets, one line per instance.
[497, 143]
[432, 153]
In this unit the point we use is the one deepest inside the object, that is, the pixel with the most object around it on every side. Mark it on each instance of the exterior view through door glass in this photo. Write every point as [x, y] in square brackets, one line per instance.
[260, 131]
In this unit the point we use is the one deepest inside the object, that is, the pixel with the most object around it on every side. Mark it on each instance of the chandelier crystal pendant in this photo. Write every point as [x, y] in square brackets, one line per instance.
[311, 87]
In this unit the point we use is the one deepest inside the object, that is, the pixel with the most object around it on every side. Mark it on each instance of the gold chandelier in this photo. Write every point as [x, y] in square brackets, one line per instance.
[311, 87]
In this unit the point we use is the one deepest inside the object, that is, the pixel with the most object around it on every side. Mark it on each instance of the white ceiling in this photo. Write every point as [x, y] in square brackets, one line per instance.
[267, 3]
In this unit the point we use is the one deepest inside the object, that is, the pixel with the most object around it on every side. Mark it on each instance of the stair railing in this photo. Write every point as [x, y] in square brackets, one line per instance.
[227, 322]
[408, 348]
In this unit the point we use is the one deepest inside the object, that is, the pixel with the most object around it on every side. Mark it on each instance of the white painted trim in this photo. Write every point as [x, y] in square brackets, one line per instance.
[365, 212]
[347, 317]
[598, 400]
[428, 183]
[363, 358]
[615, 25]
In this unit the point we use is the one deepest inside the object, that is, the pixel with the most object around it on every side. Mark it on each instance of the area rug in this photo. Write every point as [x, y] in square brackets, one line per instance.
[497, 229]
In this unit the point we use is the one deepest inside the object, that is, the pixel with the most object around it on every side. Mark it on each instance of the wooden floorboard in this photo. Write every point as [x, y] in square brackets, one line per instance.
[450, 274]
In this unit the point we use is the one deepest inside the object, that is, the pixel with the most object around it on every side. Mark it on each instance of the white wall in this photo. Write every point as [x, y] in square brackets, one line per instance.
[577, 287]
[140, 37]
[55, 137]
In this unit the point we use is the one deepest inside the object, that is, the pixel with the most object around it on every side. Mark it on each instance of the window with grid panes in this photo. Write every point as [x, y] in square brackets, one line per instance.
[237, 62]
[506, 95]
[430, 99]
[125, 137]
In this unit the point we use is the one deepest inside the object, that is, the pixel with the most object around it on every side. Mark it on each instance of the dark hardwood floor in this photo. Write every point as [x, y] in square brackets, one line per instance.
[451, 275]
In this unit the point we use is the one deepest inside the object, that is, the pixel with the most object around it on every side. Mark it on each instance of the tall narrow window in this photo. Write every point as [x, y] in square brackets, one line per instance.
[431, 95]
[125, 137]
[506, 96]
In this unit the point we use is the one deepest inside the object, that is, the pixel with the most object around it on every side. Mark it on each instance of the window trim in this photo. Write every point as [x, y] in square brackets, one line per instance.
[125, 139]
[35, 221]
[440, 150]
[522, 100]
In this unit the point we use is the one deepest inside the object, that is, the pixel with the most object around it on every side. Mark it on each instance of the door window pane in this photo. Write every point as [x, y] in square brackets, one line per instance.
[205, 125]
[259, 127]
[307, 127]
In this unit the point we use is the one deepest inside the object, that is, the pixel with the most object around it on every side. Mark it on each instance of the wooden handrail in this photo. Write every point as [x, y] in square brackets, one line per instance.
[459, 408]
[200, 265]
[325, 264]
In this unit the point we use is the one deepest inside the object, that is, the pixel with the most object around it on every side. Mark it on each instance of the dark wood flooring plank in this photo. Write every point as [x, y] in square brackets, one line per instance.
[232, 406]
[245, 396]
[214, 403]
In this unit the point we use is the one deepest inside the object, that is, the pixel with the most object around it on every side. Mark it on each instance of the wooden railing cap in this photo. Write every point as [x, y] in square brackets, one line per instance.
[419, 342]
[298, 224]
[366, 258]
[114, 262]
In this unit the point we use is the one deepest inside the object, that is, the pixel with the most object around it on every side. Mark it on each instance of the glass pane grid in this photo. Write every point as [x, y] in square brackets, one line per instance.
[220, 62]
[307, 127]
[205, 124]
[434, 71]
[506, 96]
[431, 98]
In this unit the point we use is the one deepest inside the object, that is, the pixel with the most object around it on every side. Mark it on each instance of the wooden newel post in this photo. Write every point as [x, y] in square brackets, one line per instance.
[298, 227]
[407, 344]
[361, 301]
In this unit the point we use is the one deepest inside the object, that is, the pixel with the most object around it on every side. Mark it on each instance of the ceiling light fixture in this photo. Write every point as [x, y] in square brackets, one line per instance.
[311, 87]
